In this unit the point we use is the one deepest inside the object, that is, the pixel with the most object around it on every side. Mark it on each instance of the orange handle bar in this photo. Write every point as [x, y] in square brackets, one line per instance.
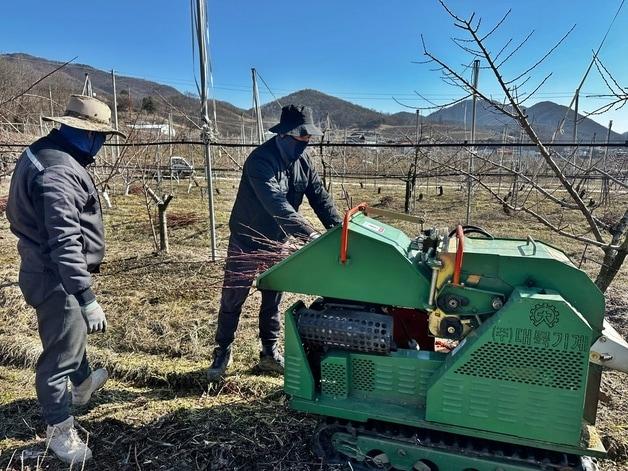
[459, 254]
[344, 239]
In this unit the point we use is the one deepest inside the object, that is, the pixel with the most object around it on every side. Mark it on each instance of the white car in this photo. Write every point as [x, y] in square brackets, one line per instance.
[180, 168]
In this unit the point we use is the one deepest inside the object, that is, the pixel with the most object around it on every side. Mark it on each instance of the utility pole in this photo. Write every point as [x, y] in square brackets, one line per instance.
[575, 127]
[416, 161]
[416, 130]
[201, 35]
[242, 139]
[501, 159]
[258, 110]
[604, 189]
[242, 132]
[170, 132]
[476, 74]
[587, 175]
[87, 86]
[52, 108]
[575, 118]
[344, 159]
[608, 139]
[116, 138]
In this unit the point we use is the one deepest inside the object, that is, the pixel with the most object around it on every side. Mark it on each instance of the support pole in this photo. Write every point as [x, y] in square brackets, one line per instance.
[258, 110]
[501, 160]
[575, 118]
[201, 34]
[476, 74]
[116, 138]
[608, 139]
[87, 86]
[52, 108]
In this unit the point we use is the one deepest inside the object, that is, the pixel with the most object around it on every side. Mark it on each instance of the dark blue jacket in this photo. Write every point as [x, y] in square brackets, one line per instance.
[270, 193]
[54, 211]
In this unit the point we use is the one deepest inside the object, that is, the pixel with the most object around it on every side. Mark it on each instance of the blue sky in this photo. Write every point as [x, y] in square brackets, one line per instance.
[358, 50]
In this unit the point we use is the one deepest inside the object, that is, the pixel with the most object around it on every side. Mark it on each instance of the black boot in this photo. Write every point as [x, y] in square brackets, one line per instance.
[270, 360]
[222, 361]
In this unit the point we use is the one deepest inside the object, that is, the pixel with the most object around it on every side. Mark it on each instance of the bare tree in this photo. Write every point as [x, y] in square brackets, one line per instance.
[609, 236]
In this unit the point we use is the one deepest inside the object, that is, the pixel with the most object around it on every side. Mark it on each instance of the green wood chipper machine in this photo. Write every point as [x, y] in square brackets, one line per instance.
[448, 351]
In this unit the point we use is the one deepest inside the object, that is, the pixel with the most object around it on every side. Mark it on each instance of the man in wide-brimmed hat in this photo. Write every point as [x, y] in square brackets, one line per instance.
[54, 210]
[276, 177]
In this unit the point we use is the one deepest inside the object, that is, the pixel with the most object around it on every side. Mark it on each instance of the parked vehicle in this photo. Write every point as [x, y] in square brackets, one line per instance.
[180, 168]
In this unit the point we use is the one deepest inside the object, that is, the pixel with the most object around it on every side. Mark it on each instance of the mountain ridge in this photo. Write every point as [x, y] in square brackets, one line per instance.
[328, 110]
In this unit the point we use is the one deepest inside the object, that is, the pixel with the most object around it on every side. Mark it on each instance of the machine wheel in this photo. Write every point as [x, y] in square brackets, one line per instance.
[473, 230]
[376, 459]
[323, 446]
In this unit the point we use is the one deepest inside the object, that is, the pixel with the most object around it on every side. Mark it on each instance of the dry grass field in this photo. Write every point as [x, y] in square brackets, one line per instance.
[158, 411]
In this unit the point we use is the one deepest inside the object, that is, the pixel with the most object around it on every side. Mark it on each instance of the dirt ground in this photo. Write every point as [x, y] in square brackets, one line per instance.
[158, 411]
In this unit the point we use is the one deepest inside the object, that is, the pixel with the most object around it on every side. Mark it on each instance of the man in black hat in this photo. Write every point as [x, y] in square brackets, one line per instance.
[275, 177]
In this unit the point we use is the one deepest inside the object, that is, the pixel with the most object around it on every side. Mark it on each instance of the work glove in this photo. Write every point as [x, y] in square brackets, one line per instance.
[94, 317]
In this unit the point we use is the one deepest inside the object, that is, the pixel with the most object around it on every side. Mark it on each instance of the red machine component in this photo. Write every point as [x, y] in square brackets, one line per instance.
[344, 240]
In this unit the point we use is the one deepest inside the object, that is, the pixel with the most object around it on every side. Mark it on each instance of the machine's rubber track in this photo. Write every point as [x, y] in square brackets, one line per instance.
[544, 460]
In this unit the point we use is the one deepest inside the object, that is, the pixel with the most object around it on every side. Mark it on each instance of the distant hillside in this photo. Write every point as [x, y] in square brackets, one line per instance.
[403, 118]
[16, 70]
[342, 114]
[25, 69]
[544, 116]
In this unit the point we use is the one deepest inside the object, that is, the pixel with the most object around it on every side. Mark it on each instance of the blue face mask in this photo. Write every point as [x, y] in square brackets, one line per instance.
[292, 147]
[89, 142]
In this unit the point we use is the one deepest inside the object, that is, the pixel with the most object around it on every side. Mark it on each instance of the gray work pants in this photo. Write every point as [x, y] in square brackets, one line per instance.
[63, 335]
[240, 271]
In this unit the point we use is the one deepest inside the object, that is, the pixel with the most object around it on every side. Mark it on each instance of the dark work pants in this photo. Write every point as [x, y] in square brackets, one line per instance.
[63, 335]
[240, 271]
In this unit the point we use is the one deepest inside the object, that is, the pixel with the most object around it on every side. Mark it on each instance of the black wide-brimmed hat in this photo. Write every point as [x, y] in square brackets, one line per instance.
[296, 120]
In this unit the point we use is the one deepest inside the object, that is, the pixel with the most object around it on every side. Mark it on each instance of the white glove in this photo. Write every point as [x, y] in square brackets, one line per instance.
[94, 317]
[314, 235]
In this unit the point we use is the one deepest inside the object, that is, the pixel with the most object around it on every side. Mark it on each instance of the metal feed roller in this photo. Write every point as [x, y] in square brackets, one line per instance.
[353, 330]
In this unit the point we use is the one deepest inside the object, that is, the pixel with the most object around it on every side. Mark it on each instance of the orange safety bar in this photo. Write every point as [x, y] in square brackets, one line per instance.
[344, 239]
[459, 254]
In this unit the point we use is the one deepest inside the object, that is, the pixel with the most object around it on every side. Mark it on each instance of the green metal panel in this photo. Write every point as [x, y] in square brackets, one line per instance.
[401, 377]
[335, 376]
[523, 372]
[369, 393]
[503, 263]
[298, 380]
[380, 268]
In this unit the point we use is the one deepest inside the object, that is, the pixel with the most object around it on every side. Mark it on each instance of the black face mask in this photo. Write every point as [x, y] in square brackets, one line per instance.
[292, 147]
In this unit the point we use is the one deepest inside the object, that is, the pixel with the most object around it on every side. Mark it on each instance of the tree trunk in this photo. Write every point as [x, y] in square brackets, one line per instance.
[406, 205]
[613, 259]
[164, 245]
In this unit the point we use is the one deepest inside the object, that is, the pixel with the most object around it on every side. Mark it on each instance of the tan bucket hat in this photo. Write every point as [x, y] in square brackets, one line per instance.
[88, 113]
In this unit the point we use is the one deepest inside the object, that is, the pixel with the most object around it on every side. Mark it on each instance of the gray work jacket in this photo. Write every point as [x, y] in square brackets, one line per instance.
[270, 193]
[54, 210]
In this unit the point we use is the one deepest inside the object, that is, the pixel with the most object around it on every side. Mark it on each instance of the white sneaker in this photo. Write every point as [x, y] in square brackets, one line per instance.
[64, 442]
[82, 393]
